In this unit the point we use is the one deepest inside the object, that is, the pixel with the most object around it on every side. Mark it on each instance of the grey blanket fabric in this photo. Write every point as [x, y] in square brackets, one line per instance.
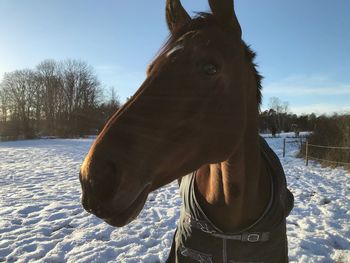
[198, 240]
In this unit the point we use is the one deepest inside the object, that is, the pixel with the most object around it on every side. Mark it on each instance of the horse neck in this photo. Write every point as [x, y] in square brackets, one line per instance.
[235, 193]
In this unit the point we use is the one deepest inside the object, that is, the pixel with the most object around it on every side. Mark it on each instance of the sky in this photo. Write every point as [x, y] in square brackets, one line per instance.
[303, 47]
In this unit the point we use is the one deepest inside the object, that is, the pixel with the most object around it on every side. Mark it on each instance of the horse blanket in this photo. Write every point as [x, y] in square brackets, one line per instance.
[197, 239]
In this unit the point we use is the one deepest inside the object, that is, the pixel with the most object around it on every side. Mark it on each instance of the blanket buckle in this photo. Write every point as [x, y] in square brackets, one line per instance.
[253, 237]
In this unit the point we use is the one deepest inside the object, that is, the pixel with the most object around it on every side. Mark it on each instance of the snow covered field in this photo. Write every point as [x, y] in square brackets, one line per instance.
[41, 219]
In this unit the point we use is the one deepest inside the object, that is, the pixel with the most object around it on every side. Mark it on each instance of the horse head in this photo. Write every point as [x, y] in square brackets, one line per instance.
[191, 110]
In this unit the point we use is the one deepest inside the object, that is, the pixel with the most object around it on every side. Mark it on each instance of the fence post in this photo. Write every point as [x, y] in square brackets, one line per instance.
[284, 147]
[307, 153]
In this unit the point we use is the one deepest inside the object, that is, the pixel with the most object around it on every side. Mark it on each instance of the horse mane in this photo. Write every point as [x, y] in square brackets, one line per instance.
[202, 20]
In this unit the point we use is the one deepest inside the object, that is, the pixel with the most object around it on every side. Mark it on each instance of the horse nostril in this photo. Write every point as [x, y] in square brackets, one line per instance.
[99, 186]
[85, 193]
[85, 202]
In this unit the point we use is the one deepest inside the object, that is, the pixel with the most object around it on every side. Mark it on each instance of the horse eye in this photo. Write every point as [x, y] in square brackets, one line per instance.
[210, 69]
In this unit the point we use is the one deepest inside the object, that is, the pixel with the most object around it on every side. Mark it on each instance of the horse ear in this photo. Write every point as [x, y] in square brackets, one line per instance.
[176, 15]
[225, 12]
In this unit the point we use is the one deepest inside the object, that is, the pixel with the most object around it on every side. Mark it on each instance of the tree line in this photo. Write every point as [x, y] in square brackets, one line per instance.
[62, 98]
[277, 118]
[66, 99]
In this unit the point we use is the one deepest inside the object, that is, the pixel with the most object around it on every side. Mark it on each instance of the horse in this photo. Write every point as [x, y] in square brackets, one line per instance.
[195, 119]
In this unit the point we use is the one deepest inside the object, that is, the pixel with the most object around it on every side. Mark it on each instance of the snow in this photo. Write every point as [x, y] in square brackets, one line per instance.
[41, 219]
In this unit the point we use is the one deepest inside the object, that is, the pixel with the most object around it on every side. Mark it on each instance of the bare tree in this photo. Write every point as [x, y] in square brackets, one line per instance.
[81, 90]
[279, 111]
[113, 102]
[3, 106]
[57, 98]
[49, 78]
[18, 95]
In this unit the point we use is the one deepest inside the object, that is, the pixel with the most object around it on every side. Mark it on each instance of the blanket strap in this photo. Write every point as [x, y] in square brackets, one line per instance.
[243, 237]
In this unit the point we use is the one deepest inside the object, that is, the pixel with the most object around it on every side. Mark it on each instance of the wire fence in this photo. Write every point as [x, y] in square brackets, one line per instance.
[310, 157]
[329, 147]
[304, 141]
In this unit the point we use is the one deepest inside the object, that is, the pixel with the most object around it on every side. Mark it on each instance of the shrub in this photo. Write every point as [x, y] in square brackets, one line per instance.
[331, 131]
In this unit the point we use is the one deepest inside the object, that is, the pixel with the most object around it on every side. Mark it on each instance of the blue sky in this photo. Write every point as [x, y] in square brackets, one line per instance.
[303, 46]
